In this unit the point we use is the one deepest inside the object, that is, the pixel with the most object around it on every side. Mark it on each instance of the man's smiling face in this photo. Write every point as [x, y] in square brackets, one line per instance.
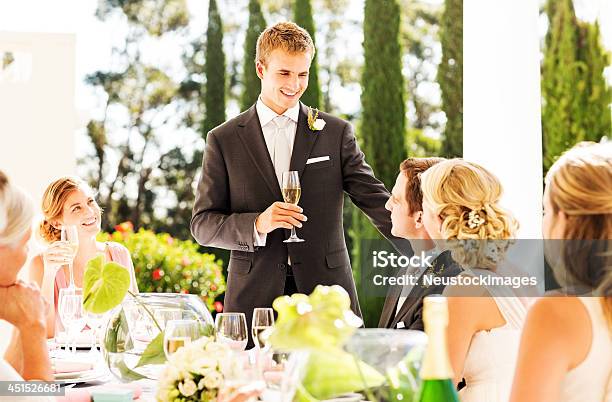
[284, 78]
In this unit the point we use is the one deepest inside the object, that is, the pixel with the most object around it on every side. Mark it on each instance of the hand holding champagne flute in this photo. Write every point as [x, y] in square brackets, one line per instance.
[291, 194]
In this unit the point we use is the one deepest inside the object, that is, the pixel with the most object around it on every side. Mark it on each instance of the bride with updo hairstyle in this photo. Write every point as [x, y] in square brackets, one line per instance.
[461, 212]
[566, 348]
[69, 201]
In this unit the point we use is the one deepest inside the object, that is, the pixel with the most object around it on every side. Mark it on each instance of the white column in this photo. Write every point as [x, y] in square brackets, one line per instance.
[37, 115]
[501, 101]
[38, 120]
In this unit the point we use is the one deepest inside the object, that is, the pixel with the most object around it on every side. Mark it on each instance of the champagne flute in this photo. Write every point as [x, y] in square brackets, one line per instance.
[291, 195]
[263, 319]
[231, 328]
[70, 235]
[179, 333]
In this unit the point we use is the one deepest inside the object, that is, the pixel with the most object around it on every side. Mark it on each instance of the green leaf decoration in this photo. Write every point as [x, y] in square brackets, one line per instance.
[154, 353]
[104, 285]
[128, 374]
[334, 372]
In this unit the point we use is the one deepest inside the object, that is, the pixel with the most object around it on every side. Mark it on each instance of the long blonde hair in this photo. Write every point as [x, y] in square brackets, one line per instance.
[53, 201]
[580, 185]
[459, 192]
[16, 212]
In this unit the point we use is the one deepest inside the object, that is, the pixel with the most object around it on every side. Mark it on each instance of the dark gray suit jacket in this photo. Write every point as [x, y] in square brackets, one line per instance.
[238, 183]
[411, 312]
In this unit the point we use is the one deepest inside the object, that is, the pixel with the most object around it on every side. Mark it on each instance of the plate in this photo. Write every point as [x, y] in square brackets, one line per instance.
[72, 374]
[93, 375]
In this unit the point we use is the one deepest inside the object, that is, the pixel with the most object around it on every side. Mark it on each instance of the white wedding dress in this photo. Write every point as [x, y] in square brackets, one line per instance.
[491, 359]
[591, 380]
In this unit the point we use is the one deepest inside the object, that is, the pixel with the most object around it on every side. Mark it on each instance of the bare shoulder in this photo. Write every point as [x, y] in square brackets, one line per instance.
[36, 269]
[564, 316]
[561, 323]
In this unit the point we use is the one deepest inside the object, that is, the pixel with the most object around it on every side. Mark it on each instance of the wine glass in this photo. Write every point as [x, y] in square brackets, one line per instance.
[179, 333]
[231, 328]
[94, 322]
[70, 235]
[72, 314]
[291, 195]
[263, 319]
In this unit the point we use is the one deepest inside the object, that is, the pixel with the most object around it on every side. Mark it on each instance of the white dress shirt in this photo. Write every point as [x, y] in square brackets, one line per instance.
[416, 272]
[269, 129]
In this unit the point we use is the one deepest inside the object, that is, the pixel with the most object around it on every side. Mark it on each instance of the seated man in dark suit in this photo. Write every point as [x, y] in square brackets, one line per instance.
[404, 305]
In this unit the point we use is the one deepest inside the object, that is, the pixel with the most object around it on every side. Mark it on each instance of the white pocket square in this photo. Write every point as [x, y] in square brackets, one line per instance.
[317, 159]
[400, 325]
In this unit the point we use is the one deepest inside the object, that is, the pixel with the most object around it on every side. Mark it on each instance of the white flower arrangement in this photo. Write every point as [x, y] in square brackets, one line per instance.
[193, 373]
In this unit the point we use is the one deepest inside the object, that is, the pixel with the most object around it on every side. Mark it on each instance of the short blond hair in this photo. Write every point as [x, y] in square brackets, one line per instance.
[16, 213]
[454, 189]
[287, 36]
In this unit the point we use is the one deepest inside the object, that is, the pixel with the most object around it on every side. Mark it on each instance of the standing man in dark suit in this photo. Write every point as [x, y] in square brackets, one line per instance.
[404, 305]
[238, 201]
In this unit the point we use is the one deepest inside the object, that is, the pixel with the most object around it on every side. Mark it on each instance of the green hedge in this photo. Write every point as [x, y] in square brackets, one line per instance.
[164, 264]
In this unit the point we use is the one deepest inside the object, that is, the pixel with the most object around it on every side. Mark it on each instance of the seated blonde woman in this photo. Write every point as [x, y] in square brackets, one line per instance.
[70, 201]
[566, 348]
[22, 304]
[461, 203]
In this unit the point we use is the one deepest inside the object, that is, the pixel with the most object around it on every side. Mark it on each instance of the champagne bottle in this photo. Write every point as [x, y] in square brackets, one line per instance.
[436, 372]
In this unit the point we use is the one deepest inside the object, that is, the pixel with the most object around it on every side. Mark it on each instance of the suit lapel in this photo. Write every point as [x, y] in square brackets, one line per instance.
[304, 141]
[251, 135]
[388, 311]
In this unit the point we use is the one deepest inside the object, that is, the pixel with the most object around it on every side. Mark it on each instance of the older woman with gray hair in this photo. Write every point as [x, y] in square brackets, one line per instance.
[22, 304]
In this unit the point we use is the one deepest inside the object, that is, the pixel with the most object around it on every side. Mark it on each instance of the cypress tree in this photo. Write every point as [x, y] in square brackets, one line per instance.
[450, 77]
[575, 95]
[382, 129]
[214, 69]
[302, 15]
[252, 85]
[596, 96]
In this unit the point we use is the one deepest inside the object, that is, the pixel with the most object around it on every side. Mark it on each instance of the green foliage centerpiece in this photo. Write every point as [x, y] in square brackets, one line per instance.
[130, 357]
[323, 323]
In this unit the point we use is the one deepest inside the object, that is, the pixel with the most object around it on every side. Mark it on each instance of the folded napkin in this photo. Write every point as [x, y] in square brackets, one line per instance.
[70, 366]
[84, 394]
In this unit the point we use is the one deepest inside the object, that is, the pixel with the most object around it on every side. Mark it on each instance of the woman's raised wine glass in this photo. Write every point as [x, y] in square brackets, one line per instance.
[291, 195]
[70, 236]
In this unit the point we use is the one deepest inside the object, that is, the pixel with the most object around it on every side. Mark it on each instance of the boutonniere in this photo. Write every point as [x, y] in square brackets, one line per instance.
[314, 123]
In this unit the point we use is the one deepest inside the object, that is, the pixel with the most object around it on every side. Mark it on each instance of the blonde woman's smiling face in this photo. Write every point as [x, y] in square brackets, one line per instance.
[82, 211]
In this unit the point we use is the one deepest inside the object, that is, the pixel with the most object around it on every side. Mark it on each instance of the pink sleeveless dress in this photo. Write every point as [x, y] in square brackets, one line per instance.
[118, 253]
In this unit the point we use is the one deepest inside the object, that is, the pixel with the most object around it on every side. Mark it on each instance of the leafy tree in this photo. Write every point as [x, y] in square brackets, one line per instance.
[382, 128]
[139, 104]
[214, 70]
[302, 15]
[252, 85]
[450, 76]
